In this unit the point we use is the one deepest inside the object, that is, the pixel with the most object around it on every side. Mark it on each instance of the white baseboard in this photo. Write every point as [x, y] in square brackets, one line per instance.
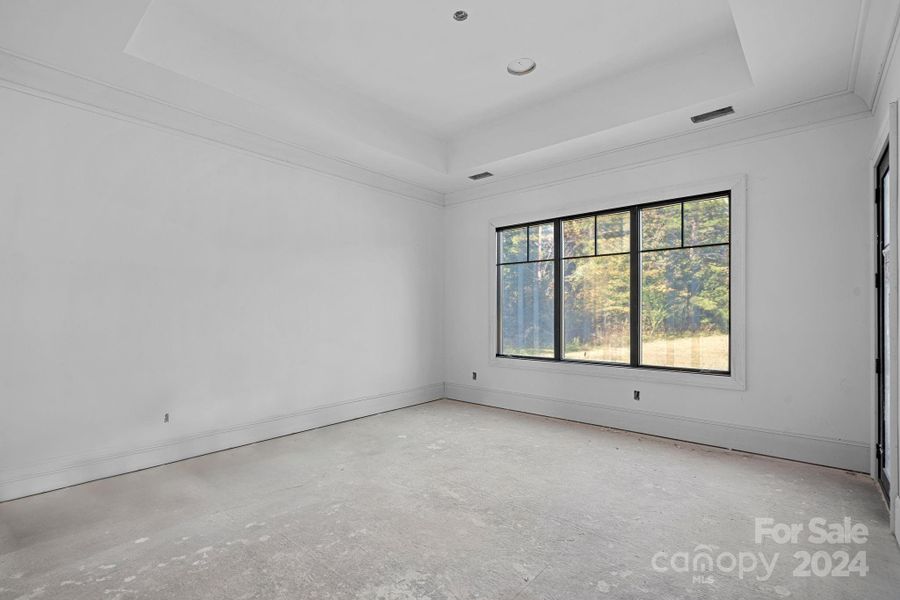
[832, 452]
[59, 473]
[895, 514]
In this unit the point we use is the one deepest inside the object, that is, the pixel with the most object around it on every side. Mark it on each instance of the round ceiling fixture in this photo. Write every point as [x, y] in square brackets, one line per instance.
[521, 66]
[460, 15]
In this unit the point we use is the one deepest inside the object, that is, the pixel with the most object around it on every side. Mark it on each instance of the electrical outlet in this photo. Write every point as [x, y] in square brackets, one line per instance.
[474, 376]
[637, 395]
[166, 418]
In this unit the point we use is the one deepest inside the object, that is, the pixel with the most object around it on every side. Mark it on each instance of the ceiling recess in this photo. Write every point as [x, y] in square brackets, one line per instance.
[713, 114]
[478, 176]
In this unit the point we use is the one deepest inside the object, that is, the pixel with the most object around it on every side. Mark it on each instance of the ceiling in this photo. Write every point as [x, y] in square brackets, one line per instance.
[401, 89]
[413, 58]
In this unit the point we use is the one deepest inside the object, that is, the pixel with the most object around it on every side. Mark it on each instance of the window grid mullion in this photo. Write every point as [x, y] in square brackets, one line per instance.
[635, 296]
[528, 244]
[557, 290]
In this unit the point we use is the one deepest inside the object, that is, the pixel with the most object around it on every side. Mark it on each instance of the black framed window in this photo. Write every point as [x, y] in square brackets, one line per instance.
[639, 286]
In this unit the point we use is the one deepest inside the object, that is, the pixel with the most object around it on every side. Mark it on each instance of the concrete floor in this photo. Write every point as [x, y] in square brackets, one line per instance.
[442, 500]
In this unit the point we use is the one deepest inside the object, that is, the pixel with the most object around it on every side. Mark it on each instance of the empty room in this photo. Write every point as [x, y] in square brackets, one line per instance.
[432, 300]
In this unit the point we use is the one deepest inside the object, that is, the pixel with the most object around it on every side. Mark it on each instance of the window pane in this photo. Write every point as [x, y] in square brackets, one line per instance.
[596, 313]
[540, 241]
[613, 233]
[526, 309]
[661, 227]
[685, 308]
[706, 221]
[513, 245]
[578, 237]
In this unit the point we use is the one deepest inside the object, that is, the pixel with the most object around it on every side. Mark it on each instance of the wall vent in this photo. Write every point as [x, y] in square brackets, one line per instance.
[478, 176]
[713, 114]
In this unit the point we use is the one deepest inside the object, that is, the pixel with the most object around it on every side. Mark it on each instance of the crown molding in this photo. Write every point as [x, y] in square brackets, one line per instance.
[858, 37]
[810, 114]
[886, 57]
[30, 76]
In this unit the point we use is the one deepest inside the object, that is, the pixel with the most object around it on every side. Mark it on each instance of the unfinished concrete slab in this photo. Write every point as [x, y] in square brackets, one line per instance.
[448, 500]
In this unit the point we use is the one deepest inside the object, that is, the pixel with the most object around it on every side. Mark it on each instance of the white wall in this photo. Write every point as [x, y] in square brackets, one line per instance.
[809, 303]
[145, 272]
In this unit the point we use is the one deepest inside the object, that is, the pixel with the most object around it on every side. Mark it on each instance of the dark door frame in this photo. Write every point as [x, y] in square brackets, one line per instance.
[881, 169]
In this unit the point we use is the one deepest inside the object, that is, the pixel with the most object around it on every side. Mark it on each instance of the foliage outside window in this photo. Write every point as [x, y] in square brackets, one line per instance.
[642, 286]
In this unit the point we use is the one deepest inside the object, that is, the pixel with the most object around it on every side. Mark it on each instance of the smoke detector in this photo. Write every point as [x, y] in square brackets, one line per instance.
[521, 66]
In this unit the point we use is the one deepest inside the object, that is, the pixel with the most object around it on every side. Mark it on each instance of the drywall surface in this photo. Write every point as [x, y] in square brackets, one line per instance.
[808, 303]
[144, 272]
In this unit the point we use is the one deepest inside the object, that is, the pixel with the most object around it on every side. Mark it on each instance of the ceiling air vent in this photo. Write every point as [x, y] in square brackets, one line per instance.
[478, 176]
[713, 114]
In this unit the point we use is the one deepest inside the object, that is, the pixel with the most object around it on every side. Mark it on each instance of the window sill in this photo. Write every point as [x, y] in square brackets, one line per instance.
[636, 374]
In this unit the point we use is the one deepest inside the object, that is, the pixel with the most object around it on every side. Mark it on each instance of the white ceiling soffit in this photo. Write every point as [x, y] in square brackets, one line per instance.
[415, 98]
[407, 79]
[713, 70]
[186, 37]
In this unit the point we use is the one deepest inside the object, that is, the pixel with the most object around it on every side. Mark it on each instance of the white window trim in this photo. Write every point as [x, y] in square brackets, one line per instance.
[736, 380]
